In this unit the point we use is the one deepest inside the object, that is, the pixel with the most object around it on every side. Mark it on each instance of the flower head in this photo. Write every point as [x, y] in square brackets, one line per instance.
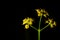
[51, 23]
[27, 21]
[42, 12]
[39, 12]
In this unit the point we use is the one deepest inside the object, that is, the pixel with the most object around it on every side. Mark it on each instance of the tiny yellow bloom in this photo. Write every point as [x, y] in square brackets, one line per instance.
[26, 26]
[51, 22]
[27, 21]
[39, 12]
[42, 12]
[44, 15]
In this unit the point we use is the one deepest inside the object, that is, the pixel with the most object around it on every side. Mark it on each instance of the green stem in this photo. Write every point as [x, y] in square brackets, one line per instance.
[38, 34]
[40, 21]
[34, 27]
[44, 27]
[39, 28]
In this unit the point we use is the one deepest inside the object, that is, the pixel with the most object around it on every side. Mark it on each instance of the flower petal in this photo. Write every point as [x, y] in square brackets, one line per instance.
[51, 25]
[54, 23]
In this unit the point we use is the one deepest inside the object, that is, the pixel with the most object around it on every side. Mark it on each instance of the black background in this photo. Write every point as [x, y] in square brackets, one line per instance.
[17, 31]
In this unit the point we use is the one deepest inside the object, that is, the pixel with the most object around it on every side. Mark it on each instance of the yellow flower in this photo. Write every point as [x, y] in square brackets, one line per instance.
[26, 26]
[42, 12]
[51, 22]
[27, 21]
[39, 12]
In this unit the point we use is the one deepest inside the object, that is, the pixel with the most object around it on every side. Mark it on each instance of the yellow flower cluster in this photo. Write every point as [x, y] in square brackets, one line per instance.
[42, 12]
[51, 23]
[27, 21]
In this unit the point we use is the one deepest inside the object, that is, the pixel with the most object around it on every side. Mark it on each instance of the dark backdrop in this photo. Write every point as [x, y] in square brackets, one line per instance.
[17, 31]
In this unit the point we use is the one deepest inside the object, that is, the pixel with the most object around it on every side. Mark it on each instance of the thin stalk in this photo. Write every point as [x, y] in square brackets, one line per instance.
[44, 27]
[40, 21]
[34, 28]
[39, 28]
[38, 34]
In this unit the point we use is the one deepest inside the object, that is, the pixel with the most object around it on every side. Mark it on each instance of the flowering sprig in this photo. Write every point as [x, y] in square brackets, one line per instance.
[40, 12]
